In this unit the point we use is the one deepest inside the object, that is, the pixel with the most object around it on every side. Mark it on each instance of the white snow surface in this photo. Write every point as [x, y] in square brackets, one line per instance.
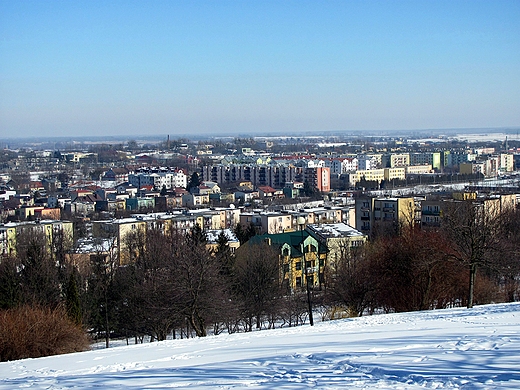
[459, 348]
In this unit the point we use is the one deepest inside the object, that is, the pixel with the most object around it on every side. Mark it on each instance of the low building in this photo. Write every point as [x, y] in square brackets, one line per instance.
[302, 258]
[52, 229]
[338, 238]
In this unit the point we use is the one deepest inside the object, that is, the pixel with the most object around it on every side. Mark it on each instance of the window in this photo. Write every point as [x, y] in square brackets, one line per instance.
[298, 281]
[308, 264]
[322, 262]
[298, 265]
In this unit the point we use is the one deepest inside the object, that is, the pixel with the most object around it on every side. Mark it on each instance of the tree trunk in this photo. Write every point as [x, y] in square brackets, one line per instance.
[197, 323]
[472, 277]
[107, 323]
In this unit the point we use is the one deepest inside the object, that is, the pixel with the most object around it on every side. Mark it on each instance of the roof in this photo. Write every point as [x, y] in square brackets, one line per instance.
[212, 235]
[266, 189]
[294, 239]
[335, 230]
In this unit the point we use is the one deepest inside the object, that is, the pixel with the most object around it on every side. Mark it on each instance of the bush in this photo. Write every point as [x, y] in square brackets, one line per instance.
[31, 332]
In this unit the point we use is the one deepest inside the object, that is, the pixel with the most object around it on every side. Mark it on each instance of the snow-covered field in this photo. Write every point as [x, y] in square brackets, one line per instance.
[457, 348]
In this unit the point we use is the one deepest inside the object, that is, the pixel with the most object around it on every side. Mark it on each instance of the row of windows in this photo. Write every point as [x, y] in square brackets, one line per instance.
[298, 265]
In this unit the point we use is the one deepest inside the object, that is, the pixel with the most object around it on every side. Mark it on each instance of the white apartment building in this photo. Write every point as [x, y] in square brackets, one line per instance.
[159, 180]
[367, 162]
[342, 165]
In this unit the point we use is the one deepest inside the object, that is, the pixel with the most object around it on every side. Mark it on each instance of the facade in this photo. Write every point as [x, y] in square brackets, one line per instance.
[287, 221]
[394, 160]
[338, 238]
[341, 165]
[432, 210]
[418, 169]
[506, 162]
[302, 258]
[207, 219]
[428, 158]
[377, 175]
[431, 213]
[384, 210]
[318, 177]
[168, 180]
[272, 175]
[10, 232]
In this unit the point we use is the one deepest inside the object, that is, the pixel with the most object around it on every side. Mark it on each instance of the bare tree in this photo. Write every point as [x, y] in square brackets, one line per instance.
[101, 291]
[257, 271]
[473, 230]
[508, 265]
[151, 303]
[348, 279]
[197, 280]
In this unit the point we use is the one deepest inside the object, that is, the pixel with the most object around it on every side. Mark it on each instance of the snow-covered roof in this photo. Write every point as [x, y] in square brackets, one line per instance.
[335, 230]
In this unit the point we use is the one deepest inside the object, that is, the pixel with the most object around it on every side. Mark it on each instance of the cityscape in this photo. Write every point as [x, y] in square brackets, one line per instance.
[200, 194]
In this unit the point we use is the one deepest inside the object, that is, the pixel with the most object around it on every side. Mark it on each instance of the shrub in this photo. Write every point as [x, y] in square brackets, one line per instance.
[31, 332]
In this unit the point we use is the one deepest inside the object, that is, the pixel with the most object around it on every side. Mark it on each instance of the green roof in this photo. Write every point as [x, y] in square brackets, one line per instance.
[293, 239]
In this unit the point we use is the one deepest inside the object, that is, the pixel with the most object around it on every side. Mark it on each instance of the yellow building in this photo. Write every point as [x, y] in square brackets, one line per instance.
[377, 175]
[10, 232]
[302, 258]
[338, 238]
[384, 210]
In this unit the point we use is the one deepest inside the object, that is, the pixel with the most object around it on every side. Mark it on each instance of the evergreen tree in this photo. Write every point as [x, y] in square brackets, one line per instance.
[194, 181]
[9, 284]
[196, 236]
[224, 254]
[244, 235]
[72, 303]
[163, 190]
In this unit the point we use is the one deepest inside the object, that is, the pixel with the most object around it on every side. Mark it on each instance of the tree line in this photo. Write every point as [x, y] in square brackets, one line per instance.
[175, 285]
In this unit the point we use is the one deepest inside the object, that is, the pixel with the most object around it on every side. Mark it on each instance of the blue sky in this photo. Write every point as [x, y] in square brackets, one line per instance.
[185, 67]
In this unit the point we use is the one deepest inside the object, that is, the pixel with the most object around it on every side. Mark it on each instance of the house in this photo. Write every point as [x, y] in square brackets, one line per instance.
[195, 200]
[267, 192]
[141, 203]
[338, 238]
[118, 175]
[302, 258]
[246, 196]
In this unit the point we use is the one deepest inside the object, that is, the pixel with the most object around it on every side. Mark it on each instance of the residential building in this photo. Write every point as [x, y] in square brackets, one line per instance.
[418, 169]
[427, 158]
[302, 258]
[338, 238]
[10, 232]
[506, 162]
[380, 212]
[393, 160]
[377, 175]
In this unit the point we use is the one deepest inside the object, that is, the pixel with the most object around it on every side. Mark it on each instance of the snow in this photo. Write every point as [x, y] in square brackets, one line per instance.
[461, 348]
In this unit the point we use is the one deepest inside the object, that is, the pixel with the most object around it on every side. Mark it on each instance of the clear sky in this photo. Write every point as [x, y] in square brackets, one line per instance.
[186, 67]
